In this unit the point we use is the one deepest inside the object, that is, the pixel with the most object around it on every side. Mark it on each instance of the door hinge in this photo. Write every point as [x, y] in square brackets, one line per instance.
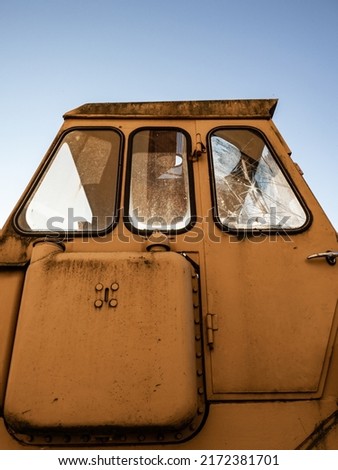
[212, 325]
[199, 150]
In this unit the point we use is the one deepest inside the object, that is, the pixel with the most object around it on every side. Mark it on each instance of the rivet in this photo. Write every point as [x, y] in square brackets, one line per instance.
[114, 286]
[160, 437]
[179, 435]
[193, 275]
[98, 303]
[123, 437]
[195, 290]
[85, 438]
[67, 439]
[197, 337]
[141, 437]
[99, 286]
[196, 305]
[112, 303]
[48, 439]
[197, 320]
[192, 426]
[200, 410]
[198, 354]
[199, 372]
[200, 391]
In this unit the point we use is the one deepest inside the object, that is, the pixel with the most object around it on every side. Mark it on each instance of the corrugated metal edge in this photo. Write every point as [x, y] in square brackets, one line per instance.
[254, 108]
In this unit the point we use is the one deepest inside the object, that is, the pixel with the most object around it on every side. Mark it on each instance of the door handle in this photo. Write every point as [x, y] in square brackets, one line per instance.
[330, 256]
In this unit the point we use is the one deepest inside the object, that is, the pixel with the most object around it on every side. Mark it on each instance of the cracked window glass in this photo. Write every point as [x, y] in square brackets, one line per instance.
[78, 190]
[251, 191]
[159, 181]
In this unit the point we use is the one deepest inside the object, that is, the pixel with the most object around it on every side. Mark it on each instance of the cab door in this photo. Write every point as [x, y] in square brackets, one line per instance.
[271, 307]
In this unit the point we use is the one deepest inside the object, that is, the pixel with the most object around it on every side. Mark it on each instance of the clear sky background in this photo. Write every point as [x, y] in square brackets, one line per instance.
[57, 55]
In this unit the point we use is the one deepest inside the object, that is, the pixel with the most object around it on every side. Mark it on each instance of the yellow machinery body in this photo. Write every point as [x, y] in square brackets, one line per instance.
[169, 281]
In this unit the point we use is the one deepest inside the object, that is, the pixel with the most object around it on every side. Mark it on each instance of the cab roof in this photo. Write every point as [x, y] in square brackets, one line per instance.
[254, 108]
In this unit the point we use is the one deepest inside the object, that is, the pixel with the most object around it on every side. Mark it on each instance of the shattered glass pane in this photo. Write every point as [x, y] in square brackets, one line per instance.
[159, 183]
[251, 190]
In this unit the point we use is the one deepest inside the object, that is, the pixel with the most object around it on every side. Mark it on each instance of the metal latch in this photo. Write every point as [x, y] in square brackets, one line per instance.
[212, 325]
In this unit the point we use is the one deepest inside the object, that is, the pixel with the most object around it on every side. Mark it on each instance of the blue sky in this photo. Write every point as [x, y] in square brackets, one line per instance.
[56, 55]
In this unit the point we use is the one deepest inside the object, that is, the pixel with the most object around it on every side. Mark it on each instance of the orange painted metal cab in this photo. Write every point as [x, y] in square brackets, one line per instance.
[168, 280]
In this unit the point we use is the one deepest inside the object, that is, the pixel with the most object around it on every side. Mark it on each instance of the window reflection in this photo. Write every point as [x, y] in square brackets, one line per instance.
[78, 191]
[159, 183]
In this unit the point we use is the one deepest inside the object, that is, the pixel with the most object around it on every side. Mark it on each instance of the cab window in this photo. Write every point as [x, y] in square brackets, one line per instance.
[160, 183]
[78, 191]
[250, 190]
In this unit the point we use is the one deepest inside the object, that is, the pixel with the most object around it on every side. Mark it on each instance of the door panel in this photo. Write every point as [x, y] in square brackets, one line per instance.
[275, 314]
[275, 309]
[105, 343]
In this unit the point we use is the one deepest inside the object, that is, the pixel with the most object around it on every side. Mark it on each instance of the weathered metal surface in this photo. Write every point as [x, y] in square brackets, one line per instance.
[178, 109]
[11, 282]
[104, 342]
[91, 307]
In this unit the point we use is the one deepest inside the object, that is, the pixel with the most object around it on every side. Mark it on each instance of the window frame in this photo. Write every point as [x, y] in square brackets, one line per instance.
[43, 170]
[190, 174]
[251, 230]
